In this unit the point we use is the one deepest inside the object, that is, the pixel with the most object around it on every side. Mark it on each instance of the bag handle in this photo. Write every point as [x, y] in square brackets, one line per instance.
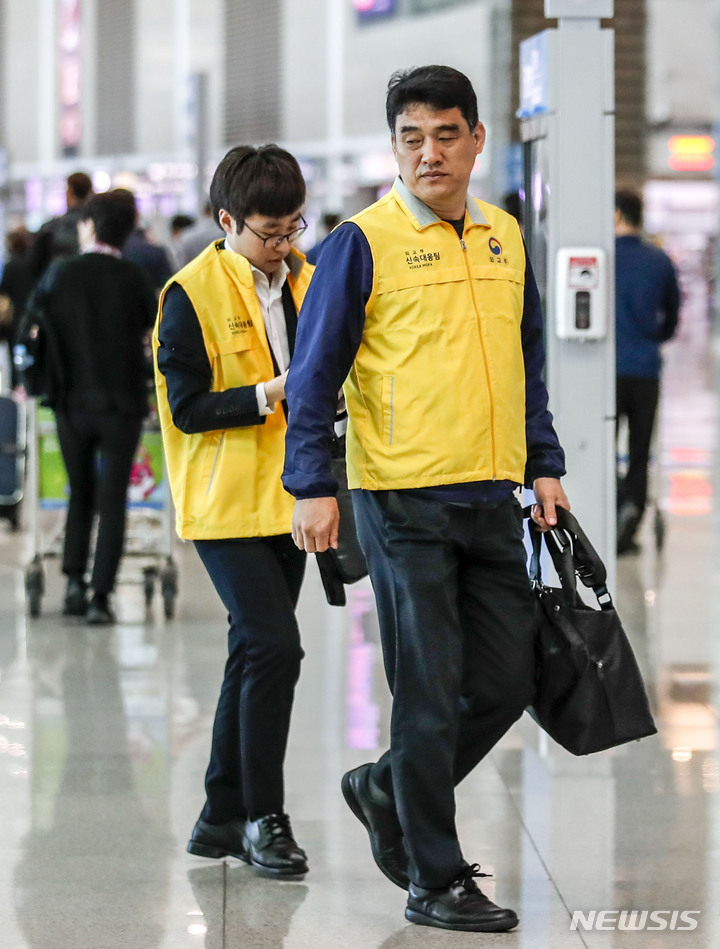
[560, 550]
[571, 553]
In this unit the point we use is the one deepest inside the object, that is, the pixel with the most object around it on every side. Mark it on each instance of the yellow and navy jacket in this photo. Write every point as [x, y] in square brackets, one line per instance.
[224, 460]
[437, 339]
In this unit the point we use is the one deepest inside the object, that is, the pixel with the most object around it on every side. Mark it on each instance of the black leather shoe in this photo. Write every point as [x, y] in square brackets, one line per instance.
[382, 824]
[271, 846]
[75, 597]
[461, 906]
[99, 612]
[628, 521]
[219, 840]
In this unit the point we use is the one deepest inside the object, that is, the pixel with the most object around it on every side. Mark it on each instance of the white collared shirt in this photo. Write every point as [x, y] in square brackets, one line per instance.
[269, 294]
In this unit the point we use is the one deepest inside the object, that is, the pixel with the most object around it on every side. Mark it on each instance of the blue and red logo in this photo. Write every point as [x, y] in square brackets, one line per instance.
[495, 247]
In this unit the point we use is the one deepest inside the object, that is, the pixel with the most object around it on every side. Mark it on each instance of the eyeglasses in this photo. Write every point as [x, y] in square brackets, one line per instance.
[276, 240]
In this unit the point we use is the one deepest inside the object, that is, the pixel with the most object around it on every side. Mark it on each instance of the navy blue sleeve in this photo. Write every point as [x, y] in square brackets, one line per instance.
[545, 457]
[330, 329]
[182, 359]
[670, 304]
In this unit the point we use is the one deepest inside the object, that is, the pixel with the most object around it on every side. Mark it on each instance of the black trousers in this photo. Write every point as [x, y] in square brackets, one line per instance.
[258, 580]
[637, 400]
[98, 450]
[456, 620]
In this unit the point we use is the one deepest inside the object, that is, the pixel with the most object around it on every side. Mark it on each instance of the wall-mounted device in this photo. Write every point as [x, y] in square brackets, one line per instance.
[581, 288]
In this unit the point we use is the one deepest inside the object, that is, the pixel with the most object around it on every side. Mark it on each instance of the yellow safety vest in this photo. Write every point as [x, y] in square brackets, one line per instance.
[436, 394]
[227, 483]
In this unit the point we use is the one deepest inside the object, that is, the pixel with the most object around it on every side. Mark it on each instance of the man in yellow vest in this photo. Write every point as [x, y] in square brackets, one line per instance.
[424, 305]
[224, 337]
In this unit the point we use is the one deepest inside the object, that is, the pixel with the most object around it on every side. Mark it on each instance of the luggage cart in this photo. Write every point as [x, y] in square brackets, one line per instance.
[147, 557]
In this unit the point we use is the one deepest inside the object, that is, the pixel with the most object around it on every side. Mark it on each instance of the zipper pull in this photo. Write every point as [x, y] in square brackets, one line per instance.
[462, 242]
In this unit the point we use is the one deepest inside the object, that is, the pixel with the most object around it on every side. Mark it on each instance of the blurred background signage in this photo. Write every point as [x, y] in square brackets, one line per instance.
[69, 62]
[370, 9]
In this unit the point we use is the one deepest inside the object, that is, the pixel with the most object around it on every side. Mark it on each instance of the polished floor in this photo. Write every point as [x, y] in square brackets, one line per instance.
[104, 736]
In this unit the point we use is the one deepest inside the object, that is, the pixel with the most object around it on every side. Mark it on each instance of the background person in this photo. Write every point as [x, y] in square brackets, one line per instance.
[178, 225]
[330, 221]
[15, 286]
[197, 237]
[150, 257]
[425, 306]
[223, 342]
[58, 237]
[647, 302]
[99, 308]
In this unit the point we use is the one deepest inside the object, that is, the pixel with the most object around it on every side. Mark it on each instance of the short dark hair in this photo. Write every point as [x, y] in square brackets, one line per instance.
[80, 185]
[19, 241]
[178, 222]
[439, 87]
[114, 214]
[630, 206]
[265, 180]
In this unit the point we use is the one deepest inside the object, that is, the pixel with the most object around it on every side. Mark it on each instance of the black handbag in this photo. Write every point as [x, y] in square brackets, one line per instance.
[346, 564]
[590, 695]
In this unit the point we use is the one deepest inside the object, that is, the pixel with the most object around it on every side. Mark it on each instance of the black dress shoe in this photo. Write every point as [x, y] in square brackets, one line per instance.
[75, 597]
[380, 820]
[628, 521]
[272, 848]
[461, 906]
[99, 612]
[219, 840]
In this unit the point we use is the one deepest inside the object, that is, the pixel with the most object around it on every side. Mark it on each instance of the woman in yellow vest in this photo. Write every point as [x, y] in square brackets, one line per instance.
[222, 343]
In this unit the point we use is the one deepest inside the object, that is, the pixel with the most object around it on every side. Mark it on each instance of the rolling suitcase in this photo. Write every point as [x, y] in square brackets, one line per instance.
[13, 445]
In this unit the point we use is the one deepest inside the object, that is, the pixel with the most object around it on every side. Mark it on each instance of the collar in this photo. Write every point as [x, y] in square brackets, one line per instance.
[278, 278]
[424, 216]
[293, 263]
[99, 248]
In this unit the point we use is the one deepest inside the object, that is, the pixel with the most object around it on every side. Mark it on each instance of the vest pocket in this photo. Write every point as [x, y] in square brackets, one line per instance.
[388, 407]
[234, 361]
[235, 344]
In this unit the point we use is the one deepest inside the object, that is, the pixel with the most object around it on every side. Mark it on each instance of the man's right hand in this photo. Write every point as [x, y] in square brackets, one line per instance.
[315, 524]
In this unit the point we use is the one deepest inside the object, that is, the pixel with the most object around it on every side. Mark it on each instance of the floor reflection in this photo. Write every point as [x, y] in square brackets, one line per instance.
[240, 910]
[96, 856]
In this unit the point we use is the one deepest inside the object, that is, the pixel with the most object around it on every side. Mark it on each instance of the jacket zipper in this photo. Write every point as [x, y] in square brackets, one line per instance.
[215, 462]
[482, 344]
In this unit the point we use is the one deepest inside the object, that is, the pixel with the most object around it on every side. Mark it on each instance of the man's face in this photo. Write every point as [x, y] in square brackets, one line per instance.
[246, 238]
[435, 152]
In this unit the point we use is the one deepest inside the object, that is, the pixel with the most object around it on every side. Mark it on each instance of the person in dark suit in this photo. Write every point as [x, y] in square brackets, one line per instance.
[98, 308]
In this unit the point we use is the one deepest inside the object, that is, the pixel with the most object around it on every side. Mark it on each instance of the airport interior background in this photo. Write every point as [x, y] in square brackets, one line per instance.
[104, 732]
